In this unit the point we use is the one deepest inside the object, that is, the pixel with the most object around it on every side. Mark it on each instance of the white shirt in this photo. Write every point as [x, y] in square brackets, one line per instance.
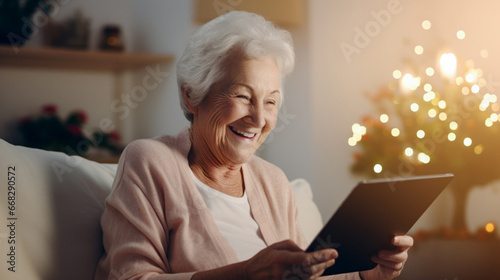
[234, 219]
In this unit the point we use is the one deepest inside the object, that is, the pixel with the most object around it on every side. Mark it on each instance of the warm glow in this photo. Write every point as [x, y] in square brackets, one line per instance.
[452, 136]
[410, 82]
[475, 88]
[420, 134]
[460, 34]
[467, 141]
[478, 149]
[395, 132]
[384, 118]
[429, 96]
[484, 105]
[442, 104]
[443, 116]
[396, 74]
[377, 168]
[424, 158]
[453, 125]
[448, 63]
[427, 87]
[352, 142]
[432, 113]
[419, 49]
[465, 90]
[490, 227]
[494, 117]
[470, 77]
[414, 107]
[488, 122]
[429, 71]
[484, 53]
[426, 24]
[409, 151]
[459, 81]
[492, 98]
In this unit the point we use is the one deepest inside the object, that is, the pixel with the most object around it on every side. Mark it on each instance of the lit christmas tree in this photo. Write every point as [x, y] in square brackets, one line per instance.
[433, 120]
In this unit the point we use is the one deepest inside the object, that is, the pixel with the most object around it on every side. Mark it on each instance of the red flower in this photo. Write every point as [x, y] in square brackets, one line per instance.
[82, 116]
[49, 109]
[115, 136]
[75, 129]
[25, 119]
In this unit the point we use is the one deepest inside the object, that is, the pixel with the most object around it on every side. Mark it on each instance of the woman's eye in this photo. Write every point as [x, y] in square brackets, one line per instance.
[243, 96]
[271, 102]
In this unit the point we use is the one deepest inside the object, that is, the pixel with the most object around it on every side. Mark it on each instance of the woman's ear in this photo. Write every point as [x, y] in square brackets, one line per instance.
[185, 95]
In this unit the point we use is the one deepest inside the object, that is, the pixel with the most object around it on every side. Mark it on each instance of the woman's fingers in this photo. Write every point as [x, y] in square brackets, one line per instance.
[285, 259]
[403, 241]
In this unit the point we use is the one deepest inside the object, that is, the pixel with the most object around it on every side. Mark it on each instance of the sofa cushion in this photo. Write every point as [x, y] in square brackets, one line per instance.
[309, 216]
[55, 232]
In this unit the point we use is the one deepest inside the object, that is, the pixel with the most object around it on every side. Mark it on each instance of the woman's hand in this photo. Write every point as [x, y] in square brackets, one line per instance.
[285, 260]
[390, 262]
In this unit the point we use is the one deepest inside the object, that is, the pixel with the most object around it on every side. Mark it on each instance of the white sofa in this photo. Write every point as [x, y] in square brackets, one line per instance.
[53, 231]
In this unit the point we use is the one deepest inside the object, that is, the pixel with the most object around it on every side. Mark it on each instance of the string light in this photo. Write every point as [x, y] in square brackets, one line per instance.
[409, 151]
[453, 125]
[352, 142]
[410, 82]
[414, 107]
[377, 168]
[442, 104]
[396, 74]
[460, 34]
[419, 49]
[384, 118]
[427, 87]
[443, 116]
[432, 113]
[490, 227]
[467, 141]
[429, 71]
[422, 157]
[478, 149]
[426, 24]
[452, 136]
[488, 122]
[420, 134]
[475, 88]
[448, 64]
[395, 132]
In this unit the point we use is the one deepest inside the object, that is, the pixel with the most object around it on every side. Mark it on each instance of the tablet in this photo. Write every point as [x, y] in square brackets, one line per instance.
[372, 214]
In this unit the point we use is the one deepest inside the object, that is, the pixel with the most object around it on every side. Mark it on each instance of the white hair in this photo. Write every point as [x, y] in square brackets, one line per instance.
[205, 59]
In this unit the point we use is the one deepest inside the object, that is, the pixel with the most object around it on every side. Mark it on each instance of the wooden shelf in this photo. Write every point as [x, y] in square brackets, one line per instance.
[59, 58]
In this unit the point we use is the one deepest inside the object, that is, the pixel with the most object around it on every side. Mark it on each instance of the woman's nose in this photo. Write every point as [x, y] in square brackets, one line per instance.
[256, 116]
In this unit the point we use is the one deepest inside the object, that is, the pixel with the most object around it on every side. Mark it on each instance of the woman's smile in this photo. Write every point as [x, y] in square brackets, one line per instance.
[242, 134]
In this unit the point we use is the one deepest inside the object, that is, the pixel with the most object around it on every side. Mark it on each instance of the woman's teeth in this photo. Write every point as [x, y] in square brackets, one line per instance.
[242, 133]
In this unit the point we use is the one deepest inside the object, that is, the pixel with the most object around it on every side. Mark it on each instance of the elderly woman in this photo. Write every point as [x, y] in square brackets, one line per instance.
[200, 205]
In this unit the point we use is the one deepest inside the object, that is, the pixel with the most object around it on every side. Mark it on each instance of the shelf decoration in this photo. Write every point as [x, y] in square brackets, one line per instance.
[433, 119]
[48, 131]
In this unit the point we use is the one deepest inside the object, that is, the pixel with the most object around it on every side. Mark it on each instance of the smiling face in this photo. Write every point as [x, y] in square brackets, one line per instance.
[236, 116]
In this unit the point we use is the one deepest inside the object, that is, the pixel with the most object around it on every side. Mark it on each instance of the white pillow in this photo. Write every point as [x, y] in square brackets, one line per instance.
[309, 216]
[58, 204]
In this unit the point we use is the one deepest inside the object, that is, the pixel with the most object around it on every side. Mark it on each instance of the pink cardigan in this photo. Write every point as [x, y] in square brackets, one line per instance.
[157, 226]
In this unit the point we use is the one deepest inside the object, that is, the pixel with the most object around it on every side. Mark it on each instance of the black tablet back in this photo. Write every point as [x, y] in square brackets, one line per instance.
[372, 214]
